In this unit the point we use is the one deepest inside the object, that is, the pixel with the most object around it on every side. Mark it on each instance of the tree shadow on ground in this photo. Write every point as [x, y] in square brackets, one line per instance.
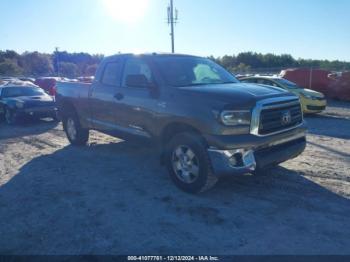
[325, 125]
[116, 199]
[27, 127]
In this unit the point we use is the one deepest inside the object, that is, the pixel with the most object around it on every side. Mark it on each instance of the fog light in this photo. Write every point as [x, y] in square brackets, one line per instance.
[233, 161]
[237, 160]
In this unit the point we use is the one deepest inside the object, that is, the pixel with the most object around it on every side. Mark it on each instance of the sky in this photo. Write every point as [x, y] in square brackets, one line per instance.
[316, 29]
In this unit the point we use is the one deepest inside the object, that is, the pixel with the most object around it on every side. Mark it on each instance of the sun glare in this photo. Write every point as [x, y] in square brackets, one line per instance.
[127, 11]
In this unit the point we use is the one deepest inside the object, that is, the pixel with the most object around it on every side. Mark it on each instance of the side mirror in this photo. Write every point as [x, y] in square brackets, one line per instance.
[140, 81]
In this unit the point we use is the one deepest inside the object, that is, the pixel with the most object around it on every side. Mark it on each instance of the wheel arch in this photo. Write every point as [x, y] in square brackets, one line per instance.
[65, 107]
[174, 128]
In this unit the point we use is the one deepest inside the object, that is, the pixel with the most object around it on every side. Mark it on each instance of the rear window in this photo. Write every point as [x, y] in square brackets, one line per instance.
[112, 74]
[286, 83]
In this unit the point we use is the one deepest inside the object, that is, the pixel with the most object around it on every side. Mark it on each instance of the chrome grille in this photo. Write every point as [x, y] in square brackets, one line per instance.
[277, 119]
[276, 115]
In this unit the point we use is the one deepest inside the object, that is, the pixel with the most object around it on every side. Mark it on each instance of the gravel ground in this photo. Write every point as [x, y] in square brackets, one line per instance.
[113, 197]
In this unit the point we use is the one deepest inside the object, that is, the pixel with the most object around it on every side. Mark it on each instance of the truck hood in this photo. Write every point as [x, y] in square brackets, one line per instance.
[33, 101]
[237, 92]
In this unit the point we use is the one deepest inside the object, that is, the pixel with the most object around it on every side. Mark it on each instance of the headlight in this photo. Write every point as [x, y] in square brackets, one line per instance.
[19, 104]
[236, 118]
[308, 96]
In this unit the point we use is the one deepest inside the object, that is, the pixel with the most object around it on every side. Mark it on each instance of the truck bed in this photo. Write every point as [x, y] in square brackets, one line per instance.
[77, 95]
[73, 89]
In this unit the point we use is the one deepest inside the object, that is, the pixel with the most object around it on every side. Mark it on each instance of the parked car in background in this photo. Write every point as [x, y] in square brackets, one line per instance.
[340, 86]
[314, 79]
[20, 101]
[27, 79]
[204, 122]
[48, 84]
[4, 79]
[86, 79]
[311, 101]
[17, 82]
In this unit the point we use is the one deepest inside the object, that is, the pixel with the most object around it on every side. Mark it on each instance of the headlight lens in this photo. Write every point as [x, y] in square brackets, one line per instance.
[19, 104]
[308, 96]
[236, 118]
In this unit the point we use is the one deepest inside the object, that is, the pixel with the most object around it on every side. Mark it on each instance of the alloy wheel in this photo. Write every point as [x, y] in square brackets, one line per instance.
[185, 164]
[71, 129]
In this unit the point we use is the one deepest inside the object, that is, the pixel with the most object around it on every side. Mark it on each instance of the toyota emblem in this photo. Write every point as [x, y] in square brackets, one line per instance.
[286, 118]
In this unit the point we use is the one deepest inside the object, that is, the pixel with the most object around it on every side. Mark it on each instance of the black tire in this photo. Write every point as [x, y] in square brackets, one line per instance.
[10, 116]
[205, 178]
[81, 136]
[266, 171]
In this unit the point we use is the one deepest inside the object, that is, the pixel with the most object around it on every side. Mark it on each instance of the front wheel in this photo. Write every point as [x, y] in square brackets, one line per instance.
[75, 133]
[188, 163]
[266, 171]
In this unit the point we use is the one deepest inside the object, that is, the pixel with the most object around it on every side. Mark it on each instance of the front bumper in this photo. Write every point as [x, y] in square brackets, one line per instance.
[38, 111]
[246, 153]
[313, 106]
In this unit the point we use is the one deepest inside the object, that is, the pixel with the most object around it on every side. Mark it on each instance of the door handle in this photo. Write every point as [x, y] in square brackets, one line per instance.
[119, 96]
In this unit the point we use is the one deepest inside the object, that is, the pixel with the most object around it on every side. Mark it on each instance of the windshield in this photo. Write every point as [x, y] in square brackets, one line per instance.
[22, 91]
[287, 83]
[180, 71]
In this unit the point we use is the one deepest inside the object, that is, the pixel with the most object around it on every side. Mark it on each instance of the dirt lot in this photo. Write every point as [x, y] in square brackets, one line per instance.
[114, 198]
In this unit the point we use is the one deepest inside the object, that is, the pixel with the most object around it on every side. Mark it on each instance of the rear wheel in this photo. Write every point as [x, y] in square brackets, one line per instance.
[75, 133]
[55, 116]
[188, 163]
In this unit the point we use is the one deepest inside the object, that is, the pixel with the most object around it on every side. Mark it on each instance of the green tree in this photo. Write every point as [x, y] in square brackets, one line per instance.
[91, 70]
[241, 69]
[37, 64]
[69, 70]
[10, 68]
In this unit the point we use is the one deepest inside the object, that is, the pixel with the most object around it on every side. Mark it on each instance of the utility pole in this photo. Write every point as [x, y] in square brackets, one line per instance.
[57, 61]
[172, 20]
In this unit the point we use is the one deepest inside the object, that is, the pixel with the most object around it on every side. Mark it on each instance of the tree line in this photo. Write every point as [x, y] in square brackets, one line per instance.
[254, 62]
[83, 64]
[37, 64]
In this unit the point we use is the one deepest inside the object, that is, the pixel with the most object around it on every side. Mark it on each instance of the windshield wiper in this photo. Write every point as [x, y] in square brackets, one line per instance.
[205, 84]
[193, 84]
[224, 83]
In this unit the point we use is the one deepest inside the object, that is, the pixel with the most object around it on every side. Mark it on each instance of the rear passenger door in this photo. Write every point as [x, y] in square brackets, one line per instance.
[104, 106]
[139, 104]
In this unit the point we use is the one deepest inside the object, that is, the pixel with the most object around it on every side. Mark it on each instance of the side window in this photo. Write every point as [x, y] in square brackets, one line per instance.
[112, 74]
[137, 71]
[267, 82]
[274, 84]
[264, 82]
[252, 81]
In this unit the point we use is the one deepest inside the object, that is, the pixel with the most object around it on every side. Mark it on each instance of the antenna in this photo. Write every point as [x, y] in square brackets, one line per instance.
[172, 20]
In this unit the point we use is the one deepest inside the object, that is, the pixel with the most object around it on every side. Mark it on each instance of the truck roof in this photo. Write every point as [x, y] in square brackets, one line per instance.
[147, 54]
